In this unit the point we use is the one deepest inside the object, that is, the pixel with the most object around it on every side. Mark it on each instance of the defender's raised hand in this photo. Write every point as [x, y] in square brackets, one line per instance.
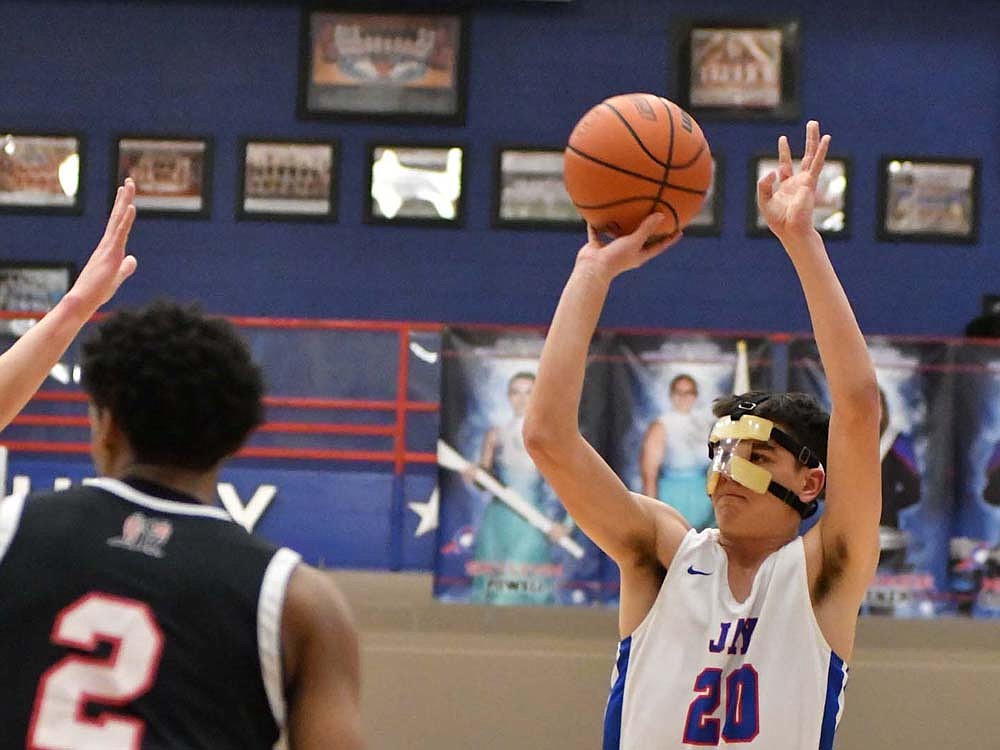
[109, 266]
[25, 365]
[788, 206]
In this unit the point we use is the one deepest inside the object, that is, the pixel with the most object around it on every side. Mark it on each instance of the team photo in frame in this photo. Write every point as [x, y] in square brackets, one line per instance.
[41, 172]
[172, 174]
[529, 192]
[288, 179]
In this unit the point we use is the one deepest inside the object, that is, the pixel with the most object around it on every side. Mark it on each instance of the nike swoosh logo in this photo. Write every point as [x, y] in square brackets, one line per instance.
[694, 572]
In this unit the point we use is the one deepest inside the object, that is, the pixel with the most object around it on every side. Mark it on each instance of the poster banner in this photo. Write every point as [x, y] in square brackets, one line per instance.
[916, 449]
[975, 541]
[504, 537]
[663, 411]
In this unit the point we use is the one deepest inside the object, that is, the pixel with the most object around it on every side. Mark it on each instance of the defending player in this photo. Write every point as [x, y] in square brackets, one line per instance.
[739, 634]
[133, 613]
[26, 364]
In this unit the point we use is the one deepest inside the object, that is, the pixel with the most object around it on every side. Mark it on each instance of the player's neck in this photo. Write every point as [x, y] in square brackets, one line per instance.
[200, 485]
[750, 552]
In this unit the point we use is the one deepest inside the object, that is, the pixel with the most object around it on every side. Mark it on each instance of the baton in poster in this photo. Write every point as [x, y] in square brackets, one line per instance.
[449, 458]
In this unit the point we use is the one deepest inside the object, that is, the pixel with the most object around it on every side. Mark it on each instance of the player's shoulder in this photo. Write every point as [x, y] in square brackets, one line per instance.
[315, 611]
[315, 592]
[78, 500]
[48, 515]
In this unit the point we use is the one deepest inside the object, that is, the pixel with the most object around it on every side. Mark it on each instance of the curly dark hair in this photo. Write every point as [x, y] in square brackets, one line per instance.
[799, 414]
[182, 387]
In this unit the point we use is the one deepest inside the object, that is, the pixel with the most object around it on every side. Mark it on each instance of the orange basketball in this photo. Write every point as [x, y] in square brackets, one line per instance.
[634, 154]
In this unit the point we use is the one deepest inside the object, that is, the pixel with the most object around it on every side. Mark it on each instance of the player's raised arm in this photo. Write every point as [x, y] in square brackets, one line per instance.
[24, 367]
[618, 522]
[849, 527]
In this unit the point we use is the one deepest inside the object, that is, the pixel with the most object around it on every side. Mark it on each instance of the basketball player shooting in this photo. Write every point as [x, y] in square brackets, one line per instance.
[26, 364]
[739, 634]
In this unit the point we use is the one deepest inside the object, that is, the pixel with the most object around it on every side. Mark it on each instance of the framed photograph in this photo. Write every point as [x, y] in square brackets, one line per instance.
[830, 213]
[928, 200]
[31, 286]
[414, 184]
[739, 70]
[528, 190]
[173, 175]
[288, 179]
[383, 64]
[41, 173]
[708, 221]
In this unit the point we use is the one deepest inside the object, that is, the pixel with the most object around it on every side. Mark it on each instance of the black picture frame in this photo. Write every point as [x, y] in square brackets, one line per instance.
[186, 193]
[708, 221]
[31, 286]
[299, 184]
[911, 192]
[399, 210]
[44, 182]
[774, 49]
[528, 189]
[438, 58]
[832, 213]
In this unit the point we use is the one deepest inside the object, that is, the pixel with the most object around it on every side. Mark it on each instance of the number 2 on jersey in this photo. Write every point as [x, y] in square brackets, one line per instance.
[742, 710]
[60, 720]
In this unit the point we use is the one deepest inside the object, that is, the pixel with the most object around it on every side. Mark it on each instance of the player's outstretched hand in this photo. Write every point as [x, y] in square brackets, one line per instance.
[109, 266]
[788, 206]
[629, 251]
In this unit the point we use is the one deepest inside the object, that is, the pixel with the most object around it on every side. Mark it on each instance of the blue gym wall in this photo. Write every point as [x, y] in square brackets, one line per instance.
[901, 76]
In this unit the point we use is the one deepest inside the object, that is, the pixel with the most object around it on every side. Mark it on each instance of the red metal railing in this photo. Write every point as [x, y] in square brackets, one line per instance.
[401, 407]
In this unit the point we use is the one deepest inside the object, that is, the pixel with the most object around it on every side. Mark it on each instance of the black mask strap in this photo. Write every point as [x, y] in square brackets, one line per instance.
[803, 454]
[785, 495]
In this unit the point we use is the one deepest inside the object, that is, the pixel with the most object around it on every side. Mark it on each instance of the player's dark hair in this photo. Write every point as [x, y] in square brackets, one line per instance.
[798, 414]
[182, 387]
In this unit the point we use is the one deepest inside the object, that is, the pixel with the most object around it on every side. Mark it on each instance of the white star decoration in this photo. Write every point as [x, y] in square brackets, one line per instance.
[428, 513]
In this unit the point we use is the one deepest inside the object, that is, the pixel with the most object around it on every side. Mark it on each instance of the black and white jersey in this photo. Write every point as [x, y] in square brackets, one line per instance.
[135, 618]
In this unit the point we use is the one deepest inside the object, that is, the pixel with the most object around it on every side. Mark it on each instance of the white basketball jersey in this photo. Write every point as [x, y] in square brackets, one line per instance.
[705, 670]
